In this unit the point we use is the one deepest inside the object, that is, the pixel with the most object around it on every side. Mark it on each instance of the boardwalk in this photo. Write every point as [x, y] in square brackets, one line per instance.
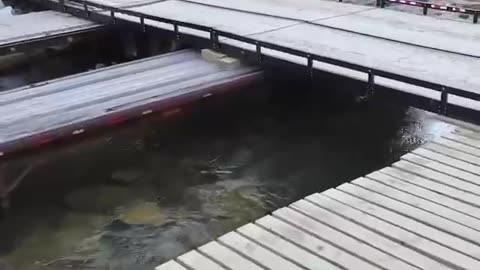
[74, 105]
[21, 29]
[422, 212]
[410, 53]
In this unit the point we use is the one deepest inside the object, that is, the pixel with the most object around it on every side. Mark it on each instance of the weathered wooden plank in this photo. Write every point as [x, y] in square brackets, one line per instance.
[443, 168]
[449, 161]
[170, 265]
[227, 257]
[418, 190]
[453, 153]
[467, 133]
[419, 202]
[313, 244]
[197, 261]
[419, 250]
[285, 248]
[433, 220]
[394, 254]
[338, 238]
[462, 139]
[256, 253]
[437, 176]
[403, 222]
[439, 187]
[458, 146]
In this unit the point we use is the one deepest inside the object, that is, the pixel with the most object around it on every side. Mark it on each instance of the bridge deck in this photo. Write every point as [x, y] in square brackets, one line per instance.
[73, 105]
[423, 212]
[40, 25]
[417, 47]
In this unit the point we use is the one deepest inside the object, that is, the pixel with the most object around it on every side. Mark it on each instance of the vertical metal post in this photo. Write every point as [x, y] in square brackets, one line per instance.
[371, 83]
[177, 33]
[310, 66]
[142, 23]
[443, 101]
[85, 8]
[425, 9]
[259, 51]
[475, 17]
[214, 39]
[382, 3]
[63, 6]
[112, 15]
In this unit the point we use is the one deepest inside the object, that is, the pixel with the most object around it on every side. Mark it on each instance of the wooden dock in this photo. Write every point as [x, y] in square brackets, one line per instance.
[422, 212]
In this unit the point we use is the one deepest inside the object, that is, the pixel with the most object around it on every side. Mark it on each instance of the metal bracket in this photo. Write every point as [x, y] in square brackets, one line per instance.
[177, 33]
[85, 8]
[371, 83]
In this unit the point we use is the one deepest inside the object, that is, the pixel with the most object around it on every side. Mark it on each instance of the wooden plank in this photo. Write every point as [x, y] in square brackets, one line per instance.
[467, 133]
[436, 197]
[449, 161]
[170, 265]
[339, 239]
[421, 251]
[419, 202]
[453, 153]
[437, 176]
[313, 244]
[256, 253]
[462, 139]
[227, 257]
[285, 248]
[458, 146]
[441, 188]
[197, 261]
[443, 168]
[418, 214]
[447, 240]
[394, 254]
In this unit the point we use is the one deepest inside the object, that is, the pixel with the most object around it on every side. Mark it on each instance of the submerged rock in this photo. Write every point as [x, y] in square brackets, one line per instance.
[99, 199]
[144, 213]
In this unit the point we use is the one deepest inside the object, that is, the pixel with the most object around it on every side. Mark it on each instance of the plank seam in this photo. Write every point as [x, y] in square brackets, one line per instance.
[440, 194]
[400, 242]
[431, 180]
[241, 254]
[450, 232]
[453, 148]
[271, 250]
[446, 163]
[417, 207]
[213, 259]
[399, 226]
[432, 149]
[299, 246]
[459, 141]
[325, 240]
[183, 264]
[424, 176]
[351, 235]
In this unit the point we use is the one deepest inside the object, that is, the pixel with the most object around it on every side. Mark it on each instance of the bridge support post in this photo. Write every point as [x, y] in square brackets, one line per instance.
[214, 39]
[443, 108]
[425, 10]
[310, 67]
[475, 17]
[259, 51]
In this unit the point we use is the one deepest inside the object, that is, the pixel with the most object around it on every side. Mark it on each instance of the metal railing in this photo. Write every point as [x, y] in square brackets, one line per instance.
[426, 6]
[88, 7]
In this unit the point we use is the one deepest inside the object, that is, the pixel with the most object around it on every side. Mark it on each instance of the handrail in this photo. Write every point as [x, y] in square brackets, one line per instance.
[426, 6]
[216, 34]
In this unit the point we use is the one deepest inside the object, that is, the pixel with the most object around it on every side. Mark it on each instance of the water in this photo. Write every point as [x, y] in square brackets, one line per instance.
[139, 196]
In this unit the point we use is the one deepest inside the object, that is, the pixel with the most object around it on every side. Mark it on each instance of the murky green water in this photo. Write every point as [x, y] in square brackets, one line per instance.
[147, 193]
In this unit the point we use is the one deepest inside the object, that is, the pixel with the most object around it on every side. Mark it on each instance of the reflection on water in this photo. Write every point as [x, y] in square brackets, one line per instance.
[145, 194]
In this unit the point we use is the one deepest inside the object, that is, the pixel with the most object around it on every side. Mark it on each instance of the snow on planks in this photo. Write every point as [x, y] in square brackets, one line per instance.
[421, 213]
